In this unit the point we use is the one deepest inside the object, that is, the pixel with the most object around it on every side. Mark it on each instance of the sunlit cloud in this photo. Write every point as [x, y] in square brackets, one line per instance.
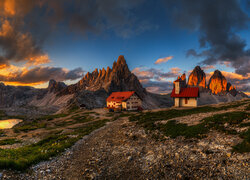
[163, 60]
[14, 75]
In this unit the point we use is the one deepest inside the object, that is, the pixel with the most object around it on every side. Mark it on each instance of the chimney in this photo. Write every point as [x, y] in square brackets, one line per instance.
[177, 87]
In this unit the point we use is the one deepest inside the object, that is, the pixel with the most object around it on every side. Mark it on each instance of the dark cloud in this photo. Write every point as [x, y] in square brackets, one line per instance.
[42, 74]
[217, 23]
[26, 24]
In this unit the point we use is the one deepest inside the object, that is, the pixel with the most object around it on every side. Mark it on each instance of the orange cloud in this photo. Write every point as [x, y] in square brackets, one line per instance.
[142, 73]
[9, 7]
[38, 60]
[20, 46]
[163, 60]
[231, 75]
[175, 70]
[14, 75]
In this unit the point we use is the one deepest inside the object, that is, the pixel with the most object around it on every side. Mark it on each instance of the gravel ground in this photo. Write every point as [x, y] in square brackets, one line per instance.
[122, 150]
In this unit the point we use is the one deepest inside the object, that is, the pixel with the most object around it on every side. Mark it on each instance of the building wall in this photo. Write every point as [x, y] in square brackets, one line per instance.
[113, 104]
[133, 102]
[176, 102]
[177, 87]
[124, 105]
[191, 102]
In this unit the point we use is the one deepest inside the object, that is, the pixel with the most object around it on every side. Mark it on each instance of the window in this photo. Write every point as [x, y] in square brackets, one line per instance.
[186, 100]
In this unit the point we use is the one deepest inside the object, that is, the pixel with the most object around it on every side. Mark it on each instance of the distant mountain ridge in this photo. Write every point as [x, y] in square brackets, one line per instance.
[217, 83]
[92, 91]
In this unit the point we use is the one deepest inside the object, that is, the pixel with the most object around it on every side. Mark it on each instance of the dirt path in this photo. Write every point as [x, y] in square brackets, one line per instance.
[122, 150]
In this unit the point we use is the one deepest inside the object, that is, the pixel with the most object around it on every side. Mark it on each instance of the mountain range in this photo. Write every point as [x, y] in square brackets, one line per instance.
[93, 89]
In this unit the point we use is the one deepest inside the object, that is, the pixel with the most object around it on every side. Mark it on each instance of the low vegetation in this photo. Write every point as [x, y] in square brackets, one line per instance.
[225, 123]
[23, 157]
[52, 116]
[216, 122]
[1, 133]
[244, 146]
[28, 126]
[9, 141]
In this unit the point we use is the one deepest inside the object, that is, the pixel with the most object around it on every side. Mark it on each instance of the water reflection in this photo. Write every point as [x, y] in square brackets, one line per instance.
[9, 123]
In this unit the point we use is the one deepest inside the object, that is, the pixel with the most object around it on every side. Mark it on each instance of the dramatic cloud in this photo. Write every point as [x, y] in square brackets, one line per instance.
[163, 60]
[155, 80]
[37, 75]
[217, 23]
[26, 24]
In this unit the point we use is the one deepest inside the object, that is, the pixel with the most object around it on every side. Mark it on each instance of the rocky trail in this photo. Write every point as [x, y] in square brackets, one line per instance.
[122, 150]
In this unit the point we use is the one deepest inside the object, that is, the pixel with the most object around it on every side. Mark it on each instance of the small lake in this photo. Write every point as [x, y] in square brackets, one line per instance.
[9, 123]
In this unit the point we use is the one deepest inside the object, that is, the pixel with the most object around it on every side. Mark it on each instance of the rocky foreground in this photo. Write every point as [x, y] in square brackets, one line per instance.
[123, 150]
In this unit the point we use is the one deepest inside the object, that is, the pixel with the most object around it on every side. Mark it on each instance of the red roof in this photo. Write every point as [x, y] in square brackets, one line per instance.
[186, 92]
[120, 96]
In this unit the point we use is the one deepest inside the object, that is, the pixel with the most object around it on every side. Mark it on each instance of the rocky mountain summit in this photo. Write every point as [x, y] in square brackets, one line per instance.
[217, 83]
[197, 77]
[93, 89]
[119, 78]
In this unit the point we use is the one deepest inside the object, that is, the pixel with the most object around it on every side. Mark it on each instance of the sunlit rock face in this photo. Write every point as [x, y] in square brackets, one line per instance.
[183, 77]
[229, 87]
[197, 78]
[217, 83]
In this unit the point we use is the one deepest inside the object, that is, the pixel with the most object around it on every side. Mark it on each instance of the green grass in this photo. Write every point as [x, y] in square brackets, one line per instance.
[217, 122]
[244, 146]
[52, 116]
[82, 119]
[29, 126]
[73, 108]
[23, 157]
[1, 133]
[149, 118]
[2, 114]
[248, 107]
[172, 129]
[9, 141]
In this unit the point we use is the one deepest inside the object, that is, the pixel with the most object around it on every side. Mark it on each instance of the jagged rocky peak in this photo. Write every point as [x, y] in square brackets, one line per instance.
[197, 78]
[119, 78]
[120, 65]
[56, 86]
[121, 60]
[217, 83]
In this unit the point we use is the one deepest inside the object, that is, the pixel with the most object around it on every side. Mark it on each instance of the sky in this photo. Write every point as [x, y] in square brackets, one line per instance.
[160, 39]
